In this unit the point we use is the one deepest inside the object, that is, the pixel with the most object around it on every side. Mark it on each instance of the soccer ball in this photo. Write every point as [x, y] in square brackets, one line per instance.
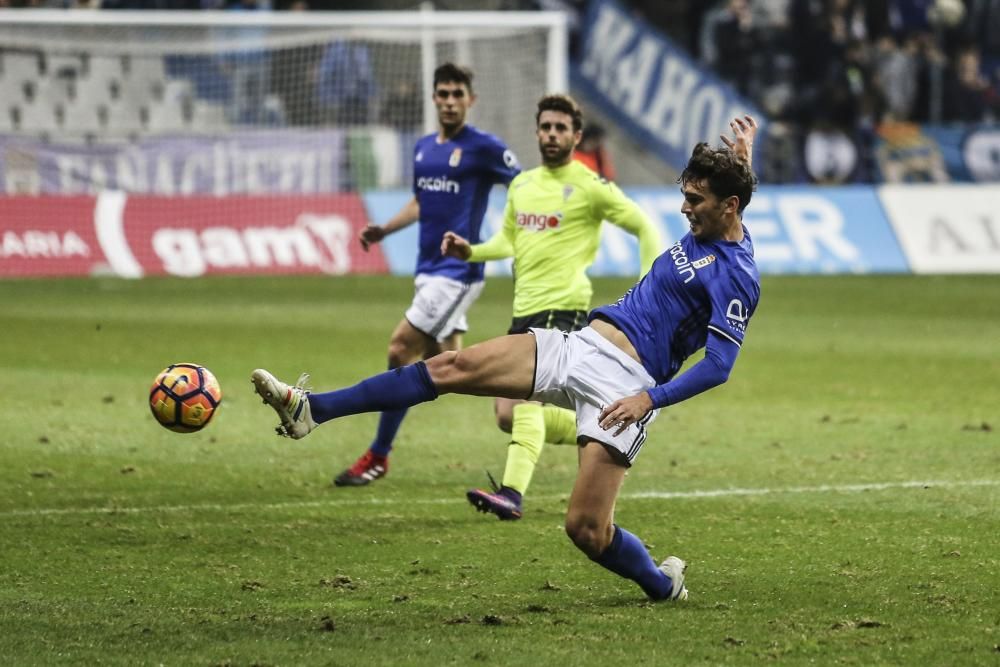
[184, 397]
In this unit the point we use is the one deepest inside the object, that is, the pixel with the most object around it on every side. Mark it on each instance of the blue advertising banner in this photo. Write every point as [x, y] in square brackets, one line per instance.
[796, 229]
[646, 84]
[801, 229]
[250, 163]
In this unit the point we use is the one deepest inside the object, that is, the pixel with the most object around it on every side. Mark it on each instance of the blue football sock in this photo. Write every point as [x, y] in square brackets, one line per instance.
[627, 557]
[393, 390]
[388, 424]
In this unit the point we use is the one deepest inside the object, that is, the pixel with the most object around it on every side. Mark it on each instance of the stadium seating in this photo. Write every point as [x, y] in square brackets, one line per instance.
[39, 117]
[105, 97]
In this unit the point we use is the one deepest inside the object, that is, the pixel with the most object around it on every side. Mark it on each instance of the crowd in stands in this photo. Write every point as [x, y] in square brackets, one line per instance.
[834, 74]
[831, 75]
[825, 72]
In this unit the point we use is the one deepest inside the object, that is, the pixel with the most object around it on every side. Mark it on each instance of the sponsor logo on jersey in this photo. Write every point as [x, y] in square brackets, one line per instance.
[703, 262]
[681, 263]
[456, 158]
[539, 222]
[567, 191]
[439, 184]
[737, 316]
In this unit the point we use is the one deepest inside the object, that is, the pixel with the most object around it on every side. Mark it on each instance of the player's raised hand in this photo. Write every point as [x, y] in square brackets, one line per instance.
[453, 245]
[744, 131]
[625, 411]
[370, 235]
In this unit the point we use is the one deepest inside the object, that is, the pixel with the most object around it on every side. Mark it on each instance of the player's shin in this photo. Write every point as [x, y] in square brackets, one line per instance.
[527, 439]
[627, 557]
[392, 390]
[388, 425]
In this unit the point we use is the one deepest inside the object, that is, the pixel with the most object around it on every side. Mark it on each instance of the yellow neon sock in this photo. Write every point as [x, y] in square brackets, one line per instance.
[560, 425]
[527, 436]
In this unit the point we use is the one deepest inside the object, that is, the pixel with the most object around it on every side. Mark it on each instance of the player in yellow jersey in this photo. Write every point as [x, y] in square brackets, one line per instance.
[552, 229]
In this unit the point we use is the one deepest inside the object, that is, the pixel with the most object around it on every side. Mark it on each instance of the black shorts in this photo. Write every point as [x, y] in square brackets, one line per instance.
[564, 320]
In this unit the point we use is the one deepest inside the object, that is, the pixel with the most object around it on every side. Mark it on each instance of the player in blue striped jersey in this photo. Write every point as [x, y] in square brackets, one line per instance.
[616, 373]
[454, 170]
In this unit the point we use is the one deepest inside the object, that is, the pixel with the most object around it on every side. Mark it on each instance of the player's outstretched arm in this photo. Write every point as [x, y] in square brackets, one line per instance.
[406, 216]
[613, 205]
[499, 246]
[744, 130]
[713, 370]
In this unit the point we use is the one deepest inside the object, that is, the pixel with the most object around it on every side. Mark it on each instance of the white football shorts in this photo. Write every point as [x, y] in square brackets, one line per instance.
[583, 371]
[440, 303]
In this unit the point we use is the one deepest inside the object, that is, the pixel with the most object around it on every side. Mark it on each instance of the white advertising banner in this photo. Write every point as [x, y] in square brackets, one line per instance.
[946, 228]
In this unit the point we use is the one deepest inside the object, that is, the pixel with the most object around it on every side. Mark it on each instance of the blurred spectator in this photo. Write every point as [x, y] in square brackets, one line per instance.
[592, 152]
[573, 9]
[772, 14]
[293, 76]
[247, 64]
[780, 161]
[346, 87]
[813, 44]
[909, 16]
[931, 64]
[830, 156]
[968, 95]
[403, 106]
[189, 5]
[982, 26]
[868, 98]
[727, 42]
[679, 20]
[896, 71]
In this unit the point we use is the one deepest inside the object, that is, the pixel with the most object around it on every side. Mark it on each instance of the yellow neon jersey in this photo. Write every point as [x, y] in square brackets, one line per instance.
[552, 228]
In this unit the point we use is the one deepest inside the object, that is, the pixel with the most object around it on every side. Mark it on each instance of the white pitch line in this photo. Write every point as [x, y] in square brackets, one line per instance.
[359, 502]
[823, 488]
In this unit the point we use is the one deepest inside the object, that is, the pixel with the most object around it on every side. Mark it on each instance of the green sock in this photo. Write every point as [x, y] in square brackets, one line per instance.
[560, 425]
[527, 436]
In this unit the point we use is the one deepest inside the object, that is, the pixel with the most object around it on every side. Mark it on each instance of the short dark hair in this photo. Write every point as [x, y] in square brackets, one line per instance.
[563, 104]
[726, 174]
[452, 73]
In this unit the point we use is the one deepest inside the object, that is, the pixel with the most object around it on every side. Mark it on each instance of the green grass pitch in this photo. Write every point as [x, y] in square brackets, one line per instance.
[838, 501]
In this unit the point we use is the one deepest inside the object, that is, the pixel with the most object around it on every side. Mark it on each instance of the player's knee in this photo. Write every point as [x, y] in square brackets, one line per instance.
[505, 423]
[505, 418]
[589, 535]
